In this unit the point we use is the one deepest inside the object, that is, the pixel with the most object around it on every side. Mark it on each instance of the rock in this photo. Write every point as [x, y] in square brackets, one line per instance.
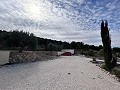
[68, 73]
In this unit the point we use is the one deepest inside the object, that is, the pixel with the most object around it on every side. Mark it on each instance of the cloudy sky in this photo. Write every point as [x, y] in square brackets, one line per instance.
[66, 20]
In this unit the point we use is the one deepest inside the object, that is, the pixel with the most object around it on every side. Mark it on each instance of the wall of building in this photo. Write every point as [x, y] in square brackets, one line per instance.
[4, 57]
[68, 50]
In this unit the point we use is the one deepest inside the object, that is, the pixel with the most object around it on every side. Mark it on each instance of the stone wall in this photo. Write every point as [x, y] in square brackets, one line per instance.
[30, 56]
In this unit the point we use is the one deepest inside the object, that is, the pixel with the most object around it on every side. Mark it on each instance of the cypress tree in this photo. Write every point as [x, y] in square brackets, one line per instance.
[106, 40]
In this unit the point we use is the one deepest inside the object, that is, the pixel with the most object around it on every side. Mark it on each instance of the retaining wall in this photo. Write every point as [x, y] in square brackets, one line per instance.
[30, 56]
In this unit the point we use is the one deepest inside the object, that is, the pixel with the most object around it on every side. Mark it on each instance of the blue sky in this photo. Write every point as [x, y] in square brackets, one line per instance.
[66, 20]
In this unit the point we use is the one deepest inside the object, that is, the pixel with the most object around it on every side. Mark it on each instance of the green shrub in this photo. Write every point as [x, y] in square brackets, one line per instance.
[114, 61]
[91, 52]
[100, 53]
[116, 71]
[103, 66]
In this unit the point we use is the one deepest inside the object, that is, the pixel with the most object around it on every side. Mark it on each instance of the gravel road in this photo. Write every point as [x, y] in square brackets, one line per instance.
[64, 73]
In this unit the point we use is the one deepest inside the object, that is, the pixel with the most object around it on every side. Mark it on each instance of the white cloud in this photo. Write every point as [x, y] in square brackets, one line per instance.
[66, 20]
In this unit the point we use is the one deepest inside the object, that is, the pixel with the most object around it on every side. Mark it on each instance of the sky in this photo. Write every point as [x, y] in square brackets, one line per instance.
[66, 20]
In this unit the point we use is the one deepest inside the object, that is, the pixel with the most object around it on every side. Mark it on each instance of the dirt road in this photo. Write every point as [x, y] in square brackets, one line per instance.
[64, 73]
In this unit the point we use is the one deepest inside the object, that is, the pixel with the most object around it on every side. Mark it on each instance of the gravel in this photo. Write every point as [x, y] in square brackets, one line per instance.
[65, 73]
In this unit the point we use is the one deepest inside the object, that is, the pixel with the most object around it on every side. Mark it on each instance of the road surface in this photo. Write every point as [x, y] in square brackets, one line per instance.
[64, 73]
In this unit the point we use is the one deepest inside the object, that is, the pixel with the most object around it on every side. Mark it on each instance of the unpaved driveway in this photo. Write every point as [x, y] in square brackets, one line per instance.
[65, 73]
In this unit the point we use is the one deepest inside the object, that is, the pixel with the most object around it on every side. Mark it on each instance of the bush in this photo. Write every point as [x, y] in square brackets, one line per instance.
[91, 52]
[100, 53]
[103, 66]
[114, 61]
[116, 71]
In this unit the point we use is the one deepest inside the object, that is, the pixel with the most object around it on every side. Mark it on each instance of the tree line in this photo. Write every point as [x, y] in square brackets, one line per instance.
[28, 41]
[16, 39]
